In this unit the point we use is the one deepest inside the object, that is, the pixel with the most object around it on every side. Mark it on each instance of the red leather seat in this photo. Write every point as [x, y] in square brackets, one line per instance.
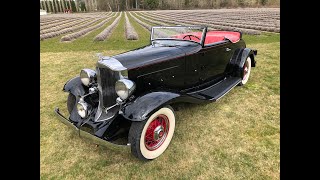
[211, 37]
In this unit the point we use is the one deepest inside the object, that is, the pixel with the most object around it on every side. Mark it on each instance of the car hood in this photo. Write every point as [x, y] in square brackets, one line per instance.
[149, 55]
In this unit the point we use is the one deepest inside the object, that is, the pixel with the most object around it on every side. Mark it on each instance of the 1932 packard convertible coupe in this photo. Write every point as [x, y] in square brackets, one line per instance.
[126, 102]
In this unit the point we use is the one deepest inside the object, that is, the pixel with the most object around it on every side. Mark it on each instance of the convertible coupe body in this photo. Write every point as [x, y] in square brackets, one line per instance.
[126, 102]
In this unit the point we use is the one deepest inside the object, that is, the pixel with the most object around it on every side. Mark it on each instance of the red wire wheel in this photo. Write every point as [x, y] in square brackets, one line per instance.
[150, 138]
[245, 70]
[157, 132]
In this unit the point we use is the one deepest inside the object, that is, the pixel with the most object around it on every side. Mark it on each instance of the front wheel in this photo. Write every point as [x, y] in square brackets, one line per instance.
[150, 138]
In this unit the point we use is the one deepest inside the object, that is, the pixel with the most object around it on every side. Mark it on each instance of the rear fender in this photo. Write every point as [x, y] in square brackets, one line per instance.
[75, 87]
[247, 52]
[142, 107]
[238, 59]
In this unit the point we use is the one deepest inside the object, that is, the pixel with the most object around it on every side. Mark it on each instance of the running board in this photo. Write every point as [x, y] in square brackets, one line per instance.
[215, 92]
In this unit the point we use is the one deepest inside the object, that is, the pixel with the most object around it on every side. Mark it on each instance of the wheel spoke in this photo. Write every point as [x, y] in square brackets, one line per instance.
[156, 132]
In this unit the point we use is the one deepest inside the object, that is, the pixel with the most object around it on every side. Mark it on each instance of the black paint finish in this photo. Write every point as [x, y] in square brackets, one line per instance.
[164, 75]
[75, 87]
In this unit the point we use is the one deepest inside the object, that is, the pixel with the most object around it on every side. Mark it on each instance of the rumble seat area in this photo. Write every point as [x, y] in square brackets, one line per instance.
[211, 37]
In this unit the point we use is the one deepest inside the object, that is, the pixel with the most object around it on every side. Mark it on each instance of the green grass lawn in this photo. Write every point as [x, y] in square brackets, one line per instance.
[237, 137]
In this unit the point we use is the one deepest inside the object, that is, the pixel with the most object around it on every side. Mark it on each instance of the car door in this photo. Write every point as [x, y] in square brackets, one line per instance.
[193, 64]
[208, 64]
[215, 58]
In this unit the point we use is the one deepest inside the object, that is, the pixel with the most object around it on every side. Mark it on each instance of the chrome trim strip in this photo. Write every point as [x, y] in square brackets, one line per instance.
[92, 137]
[110, 107]
[105, 119]
[99, 112]
[97, 120]
[158, 71]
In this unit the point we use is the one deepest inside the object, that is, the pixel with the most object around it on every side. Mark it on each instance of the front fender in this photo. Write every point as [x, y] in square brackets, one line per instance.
[142, 107]
[75, 87]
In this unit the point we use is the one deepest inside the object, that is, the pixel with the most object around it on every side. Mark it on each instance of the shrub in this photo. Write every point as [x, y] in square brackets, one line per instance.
[104, 34]
[131, 34]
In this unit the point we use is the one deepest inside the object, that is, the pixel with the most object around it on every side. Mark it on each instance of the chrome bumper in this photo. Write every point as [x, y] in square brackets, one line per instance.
[91, 137]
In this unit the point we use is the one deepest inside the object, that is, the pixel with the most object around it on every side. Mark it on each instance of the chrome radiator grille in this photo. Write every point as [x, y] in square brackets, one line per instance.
[106, 81]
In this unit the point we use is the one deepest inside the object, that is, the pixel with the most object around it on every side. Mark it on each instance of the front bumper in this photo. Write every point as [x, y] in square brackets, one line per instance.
[91, 137]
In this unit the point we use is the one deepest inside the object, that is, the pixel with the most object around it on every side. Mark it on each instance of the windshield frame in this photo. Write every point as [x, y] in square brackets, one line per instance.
[203, 36]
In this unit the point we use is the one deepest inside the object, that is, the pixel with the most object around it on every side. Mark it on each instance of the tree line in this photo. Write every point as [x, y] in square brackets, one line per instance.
[56, 6]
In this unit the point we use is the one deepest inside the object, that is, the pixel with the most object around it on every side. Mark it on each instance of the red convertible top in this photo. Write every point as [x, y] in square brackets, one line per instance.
[212, 36]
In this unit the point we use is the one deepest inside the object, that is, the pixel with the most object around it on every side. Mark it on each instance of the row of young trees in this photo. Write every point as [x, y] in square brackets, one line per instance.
[122, 5]
[55, 6]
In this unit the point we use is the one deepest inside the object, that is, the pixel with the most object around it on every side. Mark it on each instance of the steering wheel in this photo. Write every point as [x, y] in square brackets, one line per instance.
[189, 35]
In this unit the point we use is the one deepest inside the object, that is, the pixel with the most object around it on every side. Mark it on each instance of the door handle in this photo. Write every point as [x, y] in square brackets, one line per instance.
[228, 49]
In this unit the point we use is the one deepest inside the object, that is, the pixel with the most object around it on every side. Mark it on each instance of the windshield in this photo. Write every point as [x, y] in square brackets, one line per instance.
[167, 35]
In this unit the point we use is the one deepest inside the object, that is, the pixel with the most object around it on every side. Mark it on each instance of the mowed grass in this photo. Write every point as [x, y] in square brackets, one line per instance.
[237, 137]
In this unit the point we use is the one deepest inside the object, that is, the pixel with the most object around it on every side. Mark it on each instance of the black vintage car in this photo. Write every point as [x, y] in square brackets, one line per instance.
[125, 103]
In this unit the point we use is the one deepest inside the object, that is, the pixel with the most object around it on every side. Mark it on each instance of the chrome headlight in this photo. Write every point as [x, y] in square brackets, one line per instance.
[88, 76]
[124, 88]
[83, 108]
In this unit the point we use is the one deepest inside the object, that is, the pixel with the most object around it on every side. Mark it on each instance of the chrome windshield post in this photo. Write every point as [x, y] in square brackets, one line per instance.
[203, 38]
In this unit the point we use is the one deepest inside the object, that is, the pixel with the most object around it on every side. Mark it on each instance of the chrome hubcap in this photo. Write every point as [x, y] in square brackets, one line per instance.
[158, 133]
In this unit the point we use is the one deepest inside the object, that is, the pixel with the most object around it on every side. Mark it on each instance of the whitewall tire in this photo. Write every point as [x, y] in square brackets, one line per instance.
[246, 71]
[150, 138]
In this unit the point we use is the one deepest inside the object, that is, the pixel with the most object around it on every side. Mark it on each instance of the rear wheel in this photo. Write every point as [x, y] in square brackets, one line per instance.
[71, 102]
[150, 138]
[245, 71]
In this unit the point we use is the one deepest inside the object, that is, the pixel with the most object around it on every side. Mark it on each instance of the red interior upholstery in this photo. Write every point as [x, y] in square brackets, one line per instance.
[211, 37]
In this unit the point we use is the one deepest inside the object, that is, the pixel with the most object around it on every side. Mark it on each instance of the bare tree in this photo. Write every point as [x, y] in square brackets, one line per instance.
[70, 5]
[96, 4]
[41, 5]
[86, 5]
[60, 5]
[77, 5]
[66, 4]
[92, 5]
[118, 5]
[89, 5]
[44, 5]
[109, 6]
[52, 5]
[63, 5]
[49, 7]
[127, 5]
[55, 6]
